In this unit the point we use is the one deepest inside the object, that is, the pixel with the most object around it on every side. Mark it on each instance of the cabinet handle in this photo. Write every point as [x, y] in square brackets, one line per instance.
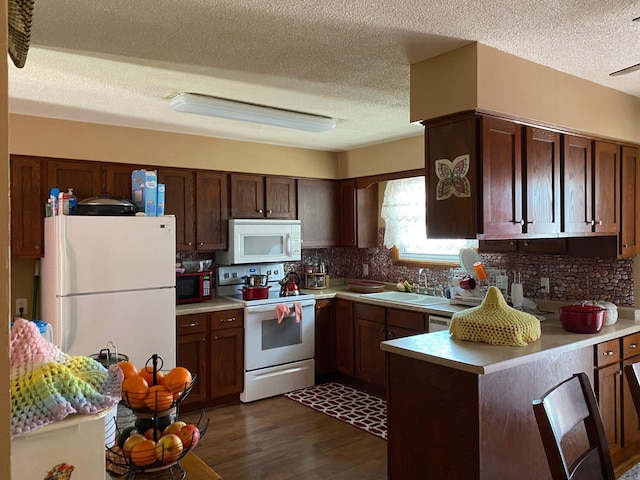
[189, 243]
[600, 222]
[525, 244]
[260, 211]
[190, 325]
[626, 245]
[37, 247]
[633, 345]
[532, 222]
[232, 319]
[608, 353]
[215, 338]
[201, 244]
[203, 339]
[590, 222]
[521, 222]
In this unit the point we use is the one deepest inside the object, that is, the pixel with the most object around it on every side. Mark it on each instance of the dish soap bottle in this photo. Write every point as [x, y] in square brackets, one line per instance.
[73, 201]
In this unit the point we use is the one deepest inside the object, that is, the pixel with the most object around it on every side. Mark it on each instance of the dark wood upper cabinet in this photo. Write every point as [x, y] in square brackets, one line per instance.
[180, 200]
[578, 184]
[358, 215]
[27, 207]
[319, 212]
[258, 196]
[606, 187]
[211, 210]
[630, 205]
[84, 177]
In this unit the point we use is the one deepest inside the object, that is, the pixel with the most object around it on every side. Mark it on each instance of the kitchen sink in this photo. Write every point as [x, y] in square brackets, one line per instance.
[407, 298]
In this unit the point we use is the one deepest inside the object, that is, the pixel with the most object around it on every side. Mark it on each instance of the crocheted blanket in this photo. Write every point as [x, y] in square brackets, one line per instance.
[48, 384]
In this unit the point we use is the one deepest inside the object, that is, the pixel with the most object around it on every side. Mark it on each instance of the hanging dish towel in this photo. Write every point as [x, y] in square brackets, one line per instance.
[282, 309]
[297, 307]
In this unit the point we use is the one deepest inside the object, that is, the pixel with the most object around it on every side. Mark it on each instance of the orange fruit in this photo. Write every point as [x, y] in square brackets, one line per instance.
[147, 374]
[134, 391]
[143, 453]
[177, 379]
[128, 368]
[158, 398]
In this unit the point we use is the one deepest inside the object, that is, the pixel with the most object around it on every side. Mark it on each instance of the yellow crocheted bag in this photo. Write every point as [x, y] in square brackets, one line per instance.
[495, 322]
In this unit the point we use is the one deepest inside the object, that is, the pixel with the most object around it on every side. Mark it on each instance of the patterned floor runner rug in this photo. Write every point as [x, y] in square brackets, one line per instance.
[347, 404]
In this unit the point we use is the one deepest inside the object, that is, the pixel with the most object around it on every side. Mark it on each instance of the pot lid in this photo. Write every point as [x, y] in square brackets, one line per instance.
[107, 199]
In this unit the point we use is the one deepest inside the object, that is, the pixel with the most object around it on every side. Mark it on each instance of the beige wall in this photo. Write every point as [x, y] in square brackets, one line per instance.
[396, 156]
[46, 137]
[507, 84]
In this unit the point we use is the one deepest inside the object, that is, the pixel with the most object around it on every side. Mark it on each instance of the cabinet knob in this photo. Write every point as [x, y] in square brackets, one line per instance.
[37, 247]
[232, 319]
[189, 243]
[260, 211]
[599, 222]
[626, 245]
[532, 222]
[203, 339]
[189, 325]
[269, 211]
[215, 338]
[590, 222]
[521, 222]
[201, 244]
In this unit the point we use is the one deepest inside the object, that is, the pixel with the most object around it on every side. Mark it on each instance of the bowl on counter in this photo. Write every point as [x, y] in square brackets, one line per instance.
[582, 318]
[191, 266]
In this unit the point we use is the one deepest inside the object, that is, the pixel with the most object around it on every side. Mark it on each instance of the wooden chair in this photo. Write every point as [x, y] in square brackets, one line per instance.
[558, 412]
[632, 372]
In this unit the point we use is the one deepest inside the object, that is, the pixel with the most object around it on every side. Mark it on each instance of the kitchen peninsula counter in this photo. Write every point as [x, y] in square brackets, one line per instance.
[462, 410]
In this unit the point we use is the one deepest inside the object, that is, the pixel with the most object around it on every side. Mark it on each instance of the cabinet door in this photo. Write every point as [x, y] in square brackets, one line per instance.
[502, 171]
[117, 179]
[542, 181]
[319, 213]
[630, 208]
[227, 376]
[211, 211]
[403, 323]
[191, 353]
[344, 337]
[608, 383]
[27, 207]
[369, 324]
[325, 331]
[247, 196]
[83, 177]
[348, 213]
[577, 209]
[180, 201]
[606, 187]
[280, 199]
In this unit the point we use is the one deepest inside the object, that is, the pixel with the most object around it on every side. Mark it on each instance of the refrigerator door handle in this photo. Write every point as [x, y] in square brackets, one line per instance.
[68, 330]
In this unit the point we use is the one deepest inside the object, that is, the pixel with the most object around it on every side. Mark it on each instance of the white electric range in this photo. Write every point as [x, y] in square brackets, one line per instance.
[279, 333]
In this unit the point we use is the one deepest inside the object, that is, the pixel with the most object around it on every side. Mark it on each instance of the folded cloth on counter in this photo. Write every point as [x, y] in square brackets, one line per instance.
[282, 309]
[47, 384]
[495, 322]
[297, 306]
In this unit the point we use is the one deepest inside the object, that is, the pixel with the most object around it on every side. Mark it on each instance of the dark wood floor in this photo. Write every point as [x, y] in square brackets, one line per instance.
[279, 439]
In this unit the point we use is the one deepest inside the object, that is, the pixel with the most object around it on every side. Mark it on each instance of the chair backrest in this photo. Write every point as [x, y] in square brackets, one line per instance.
[632, 372]
[558, 412]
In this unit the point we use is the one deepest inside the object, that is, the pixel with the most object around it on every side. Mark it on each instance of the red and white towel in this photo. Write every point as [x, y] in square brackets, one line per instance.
[282, 309]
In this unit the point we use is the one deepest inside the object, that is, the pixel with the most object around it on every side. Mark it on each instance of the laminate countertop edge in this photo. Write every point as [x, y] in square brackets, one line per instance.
[481, 358]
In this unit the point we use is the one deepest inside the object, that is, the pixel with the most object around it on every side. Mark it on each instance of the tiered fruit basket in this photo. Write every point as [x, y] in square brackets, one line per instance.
[158, 440]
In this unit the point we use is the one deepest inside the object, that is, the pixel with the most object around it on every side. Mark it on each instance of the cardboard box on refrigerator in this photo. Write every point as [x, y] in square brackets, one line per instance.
[160, 207]
[144, 191]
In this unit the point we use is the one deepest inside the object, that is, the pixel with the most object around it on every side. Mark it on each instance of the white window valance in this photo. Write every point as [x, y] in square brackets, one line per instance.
[403, 211]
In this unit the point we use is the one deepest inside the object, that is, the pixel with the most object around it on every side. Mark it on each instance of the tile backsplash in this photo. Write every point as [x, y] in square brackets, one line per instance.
[570, 278]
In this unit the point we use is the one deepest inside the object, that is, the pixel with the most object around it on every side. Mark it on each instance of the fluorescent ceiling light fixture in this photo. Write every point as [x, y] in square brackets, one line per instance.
[249, 112]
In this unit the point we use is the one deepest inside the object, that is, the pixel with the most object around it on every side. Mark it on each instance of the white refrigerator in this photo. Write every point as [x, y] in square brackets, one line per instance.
[111, 279]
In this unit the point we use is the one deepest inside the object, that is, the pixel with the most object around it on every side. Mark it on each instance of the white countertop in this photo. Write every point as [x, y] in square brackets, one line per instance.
[481, 358]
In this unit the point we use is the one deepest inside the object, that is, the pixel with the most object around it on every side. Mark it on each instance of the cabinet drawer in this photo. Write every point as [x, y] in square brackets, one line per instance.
[188, 324]
[227, 319]
[369, 312]
[631, 345]
[607, 352]
[405, 319]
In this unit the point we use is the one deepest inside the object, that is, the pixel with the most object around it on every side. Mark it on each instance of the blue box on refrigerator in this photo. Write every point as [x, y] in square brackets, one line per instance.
[160, 207]
[144, 191]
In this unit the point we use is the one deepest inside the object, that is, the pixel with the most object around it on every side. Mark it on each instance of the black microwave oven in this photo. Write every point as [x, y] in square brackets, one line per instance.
[193, 287]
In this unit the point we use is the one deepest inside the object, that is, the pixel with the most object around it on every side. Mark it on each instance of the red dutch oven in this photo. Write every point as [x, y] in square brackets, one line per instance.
[582, 318]
[255, 293]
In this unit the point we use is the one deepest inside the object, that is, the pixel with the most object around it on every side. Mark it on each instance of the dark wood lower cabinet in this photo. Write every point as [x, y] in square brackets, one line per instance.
[325, 337]
[211, 346]
[369, 326]
[344, 337]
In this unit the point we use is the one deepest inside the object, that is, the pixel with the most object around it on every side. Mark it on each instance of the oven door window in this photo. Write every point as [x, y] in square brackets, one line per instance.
[283, 334]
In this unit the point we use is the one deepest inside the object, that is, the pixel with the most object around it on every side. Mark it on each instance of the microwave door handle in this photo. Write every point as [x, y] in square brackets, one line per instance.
[288, 245]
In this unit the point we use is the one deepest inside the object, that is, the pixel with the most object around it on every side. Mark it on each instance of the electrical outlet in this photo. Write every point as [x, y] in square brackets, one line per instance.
[544, 285]
[21, 303]
[365, 269]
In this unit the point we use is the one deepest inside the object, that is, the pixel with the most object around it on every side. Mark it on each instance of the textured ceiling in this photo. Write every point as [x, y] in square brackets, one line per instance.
[118, 62]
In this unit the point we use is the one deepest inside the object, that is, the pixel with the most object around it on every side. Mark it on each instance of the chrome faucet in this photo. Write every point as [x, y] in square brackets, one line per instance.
[422, 273]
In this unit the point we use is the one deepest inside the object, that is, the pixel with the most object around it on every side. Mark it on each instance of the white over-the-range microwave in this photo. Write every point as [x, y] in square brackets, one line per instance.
[261, 241]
